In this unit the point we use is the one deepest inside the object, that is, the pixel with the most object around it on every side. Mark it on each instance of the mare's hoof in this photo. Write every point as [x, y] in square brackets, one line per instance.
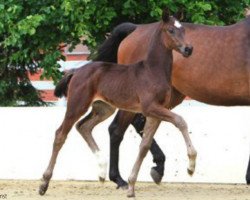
[43, 188]
[120, 183]
[248, 182]
[190, 172]
[123, 187]
[102, 180]
[155, 176]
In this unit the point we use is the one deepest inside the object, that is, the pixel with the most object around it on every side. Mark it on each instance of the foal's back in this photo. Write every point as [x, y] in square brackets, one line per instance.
[113, 83]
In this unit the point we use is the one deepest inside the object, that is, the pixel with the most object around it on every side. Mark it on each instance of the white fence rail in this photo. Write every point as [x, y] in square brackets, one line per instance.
[221, 136]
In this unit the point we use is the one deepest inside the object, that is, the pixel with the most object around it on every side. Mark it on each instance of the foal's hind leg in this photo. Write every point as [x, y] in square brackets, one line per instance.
[76, 107]
[60, 137]
[100, 111]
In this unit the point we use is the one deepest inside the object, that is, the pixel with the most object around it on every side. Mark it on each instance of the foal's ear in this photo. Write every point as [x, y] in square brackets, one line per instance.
[165, 15]
[179, 15]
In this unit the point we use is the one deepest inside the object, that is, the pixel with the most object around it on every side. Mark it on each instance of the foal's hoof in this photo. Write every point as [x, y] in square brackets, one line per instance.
[43, 188]
[155, 176]
[130, 193]
[248, 182]
[101, 179]
[190, 172]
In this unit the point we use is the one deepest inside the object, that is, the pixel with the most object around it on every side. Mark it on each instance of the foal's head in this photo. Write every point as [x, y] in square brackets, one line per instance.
[173, 35]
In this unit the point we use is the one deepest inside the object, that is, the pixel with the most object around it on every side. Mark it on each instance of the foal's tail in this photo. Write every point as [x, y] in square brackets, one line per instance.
[107, 52]
[62, 87]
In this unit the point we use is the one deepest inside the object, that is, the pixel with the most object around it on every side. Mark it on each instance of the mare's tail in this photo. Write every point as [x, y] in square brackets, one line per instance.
[62, 87]
[107, 52]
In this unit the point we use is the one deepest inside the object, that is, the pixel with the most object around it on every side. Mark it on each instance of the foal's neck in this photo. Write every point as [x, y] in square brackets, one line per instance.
[159, 57]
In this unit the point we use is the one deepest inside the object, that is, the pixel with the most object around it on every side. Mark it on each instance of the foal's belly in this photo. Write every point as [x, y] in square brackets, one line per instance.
[134, 108]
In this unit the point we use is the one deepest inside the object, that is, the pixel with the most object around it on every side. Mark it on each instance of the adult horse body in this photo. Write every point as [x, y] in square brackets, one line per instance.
[217, 73]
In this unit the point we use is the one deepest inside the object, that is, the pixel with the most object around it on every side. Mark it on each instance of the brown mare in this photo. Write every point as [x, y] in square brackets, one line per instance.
[144, 87]
[217, 73]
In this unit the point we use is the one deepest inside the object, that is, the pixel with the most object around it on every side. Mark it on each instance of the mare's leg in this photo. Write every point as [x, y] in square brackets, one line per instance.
[156, 172]
[116, 131]
[248, 172]
[100, 111]
[149, 131]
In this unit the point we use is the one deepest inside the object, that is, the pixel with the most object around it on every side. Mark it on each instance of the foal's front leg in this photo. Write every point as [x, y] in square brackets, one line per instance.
[157, 171]
[148, 134]
[116, 131]
[166, 115]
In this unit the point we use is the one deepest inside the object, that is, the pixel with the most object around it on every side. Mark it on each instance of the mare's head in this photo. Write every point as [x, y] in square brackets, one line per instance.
[173, 34]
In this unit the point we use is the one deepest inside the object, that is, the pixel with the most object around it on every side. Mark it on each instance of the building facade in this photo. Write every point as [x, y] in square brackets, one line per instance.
[76, 58]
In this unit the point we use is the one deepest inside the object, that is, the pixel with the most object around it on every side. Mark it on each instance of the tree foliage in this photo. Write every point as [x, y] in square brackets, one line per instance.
[32, 31]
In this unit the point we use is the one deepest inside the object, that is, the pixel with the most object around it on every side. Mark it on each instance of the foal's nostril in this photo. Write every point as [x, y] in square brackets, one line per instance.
[188, 50]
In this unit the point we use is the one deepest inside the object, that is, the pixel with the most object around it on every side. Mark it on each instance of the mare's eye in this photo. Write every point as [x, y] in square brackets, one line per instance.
[171, 31]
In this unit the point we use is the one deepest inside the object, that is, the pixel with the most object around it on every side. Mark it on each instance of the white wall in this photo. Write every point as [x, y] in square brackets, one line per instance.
[221, 136]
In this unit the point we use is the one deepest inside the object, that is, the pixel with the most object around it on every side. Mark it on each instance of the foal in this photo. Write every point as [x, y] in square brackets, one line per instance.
[143, 87]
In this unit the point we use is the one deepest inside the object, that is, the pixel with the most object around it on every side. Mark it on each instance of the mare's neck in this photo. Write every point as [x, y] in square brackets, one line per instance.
[159, 57]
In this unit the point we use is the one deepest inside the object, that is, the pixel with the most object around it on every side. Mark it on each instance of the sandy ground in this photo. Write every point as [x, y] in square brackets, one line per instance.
[76, 190]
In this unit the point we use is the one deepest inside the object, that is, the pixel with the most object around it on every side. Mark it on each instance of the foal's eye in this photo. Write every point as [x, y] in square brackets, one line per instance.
[171, 31]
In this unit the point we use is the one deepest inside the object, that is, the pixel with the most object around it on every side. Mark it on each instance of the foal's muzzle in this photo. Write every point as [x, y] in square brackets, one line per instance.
[187, 50]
